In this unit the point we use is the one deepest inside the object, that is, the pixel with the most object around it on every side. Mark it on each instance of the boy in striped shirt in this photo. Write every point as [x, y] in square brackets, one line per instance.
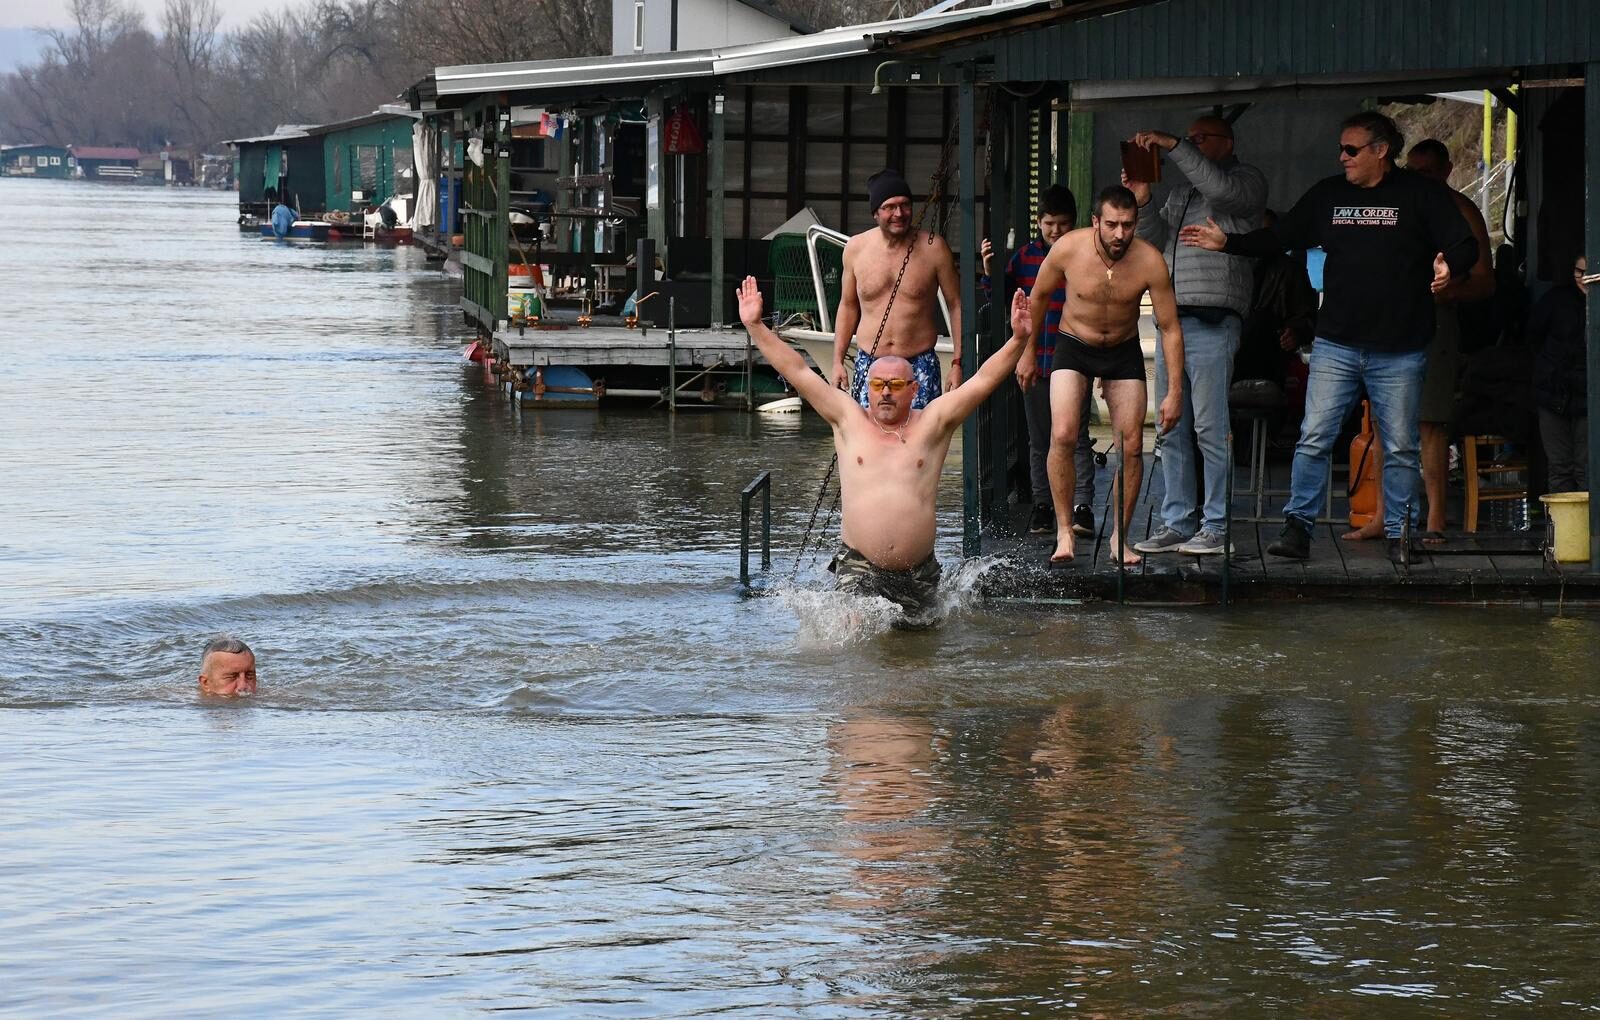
[1058, 213]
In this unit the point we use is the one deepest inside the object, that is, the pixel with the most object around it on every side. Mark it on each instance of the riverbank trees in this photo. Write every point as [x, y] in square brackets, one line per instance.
[112, 79]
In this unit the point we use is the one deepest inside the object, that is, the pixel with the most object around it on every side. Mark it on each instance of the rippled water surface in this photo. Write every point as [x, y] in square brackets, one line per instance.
[521, 744]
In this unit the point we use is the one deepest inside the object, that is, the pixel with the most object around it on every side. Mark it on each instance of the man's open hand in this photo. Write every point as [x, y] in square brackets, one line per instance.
[750, 302]
[1209, 237]
[1021, 316]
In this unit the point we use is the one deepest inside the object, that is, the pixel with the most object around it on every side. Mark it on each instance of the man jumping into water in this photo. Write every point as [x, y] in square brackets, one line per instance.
[890, 457]
[1107, 270]
[872, 261]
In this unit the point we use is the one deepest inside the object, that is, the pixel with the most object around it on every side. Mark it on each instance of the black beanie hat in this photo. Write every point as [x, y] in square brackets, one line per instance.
[884, 185]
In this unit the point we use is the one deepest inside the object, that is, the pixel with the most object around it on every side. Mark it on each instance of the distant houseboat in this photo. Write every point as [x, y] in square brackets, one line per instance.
[106, 163]
[321, 169]
[50, 161]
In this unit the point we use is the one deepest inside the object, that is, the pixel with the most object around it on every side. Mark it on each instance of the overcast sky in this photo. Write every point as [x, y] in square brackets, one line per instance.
[30, 13]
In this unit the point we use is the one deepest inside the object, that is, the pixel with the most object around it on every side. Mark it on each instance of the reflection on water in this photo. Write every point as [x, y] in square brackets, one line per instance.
[521, 743]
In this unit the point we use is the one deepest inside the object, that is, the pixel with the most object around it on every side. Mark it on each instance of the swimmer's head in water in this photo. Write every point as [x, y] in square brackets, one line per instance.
[1116, 214]
[227, 669]
[889, 398]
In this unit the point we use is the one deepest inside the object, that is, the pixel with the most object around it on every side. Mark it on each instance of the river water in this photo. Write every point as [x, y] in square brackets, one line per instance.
[521, 744]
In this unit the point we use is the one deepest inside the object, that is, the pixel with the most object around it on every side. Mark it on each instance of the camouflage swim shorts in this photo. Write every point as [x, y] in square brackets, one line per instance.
[924, 368]
[915, 591]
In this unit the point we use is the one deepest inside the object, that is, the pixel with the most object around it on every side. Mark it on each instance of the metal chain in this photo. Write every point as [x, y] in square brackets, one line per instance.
[935, 197]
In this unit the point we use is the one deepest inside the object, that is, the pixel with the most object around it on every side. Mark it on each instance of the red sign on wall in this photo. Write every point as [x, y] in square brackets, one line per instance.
[683, 135]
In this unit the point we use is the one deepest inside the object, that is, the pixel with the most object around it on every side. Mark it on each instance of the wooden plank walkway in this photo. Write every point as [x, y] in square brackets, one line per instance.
[1482, 567]
[608, 343]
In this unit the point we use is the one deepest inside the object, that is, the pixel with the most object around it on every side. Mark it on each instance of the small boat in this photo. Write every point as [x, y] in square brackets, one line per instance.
[302, 230]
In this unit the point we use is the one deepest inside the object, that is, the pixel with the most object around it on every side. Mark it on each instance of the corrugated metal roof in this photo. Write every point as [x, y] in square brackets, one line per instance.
[293, 132]
[104, 152]
[281, 133]
[851, 40]
[1287, 38]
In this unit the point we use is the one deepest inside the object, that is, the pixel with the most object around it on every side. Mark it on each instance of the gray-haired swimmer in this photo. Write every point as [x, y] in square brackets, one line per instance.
[227, 669]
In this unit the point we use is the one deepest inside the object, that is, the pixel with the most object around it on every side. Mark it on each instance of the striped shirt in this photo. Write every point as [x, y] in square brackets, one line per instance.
[1022, 271]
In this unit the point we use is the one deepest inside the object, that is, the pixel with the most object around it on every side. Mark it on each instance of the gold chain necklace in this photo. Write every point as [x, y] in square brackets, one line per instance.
[899, 431]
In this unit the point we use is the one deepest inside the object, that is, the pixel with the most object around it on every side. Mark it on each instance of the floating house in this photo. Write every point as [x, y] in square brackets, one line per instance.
[981, 107]
[170, 166]
[343, 167]
[704, 154]
[50, 161]
[106, 163]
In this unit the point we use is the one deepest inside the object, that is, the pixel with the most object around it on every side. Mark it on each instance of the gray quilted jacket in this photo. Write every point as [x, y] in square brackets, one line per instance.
[1230, 192]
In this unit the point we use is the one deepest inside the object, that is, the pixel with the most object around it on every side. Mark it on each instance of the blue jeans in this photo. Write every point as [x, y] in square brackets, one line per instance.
[1393, 382]
[1208, 353]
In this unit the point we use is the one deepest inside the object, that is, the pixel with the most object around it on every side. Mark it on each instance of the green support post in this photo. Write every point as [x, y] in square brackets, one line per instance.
[719, 189]
[1080, 158]
[971, 539]
[502, 211]
[994, 420]
[1591, 102]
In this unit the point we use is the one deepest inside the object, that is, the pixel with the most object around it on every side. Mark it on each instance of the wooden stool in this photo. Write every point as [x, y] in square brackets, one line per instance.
[1488, 480]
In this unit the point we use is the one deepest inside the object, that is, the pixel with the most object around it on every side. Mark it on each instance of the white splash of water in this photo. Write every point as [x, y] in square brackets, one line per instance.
[837, 619]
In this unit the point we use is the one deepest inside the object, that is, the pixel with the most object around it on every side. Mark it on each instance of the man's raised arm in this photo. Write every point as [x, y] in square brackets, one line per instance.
[831, 403]
[952, 409]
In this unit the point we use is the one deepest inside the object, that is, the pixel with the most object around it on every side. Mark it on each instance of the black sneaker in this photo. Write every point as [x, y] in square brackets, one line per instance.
[1294, 541]
[1043, 520]
[1083, 520]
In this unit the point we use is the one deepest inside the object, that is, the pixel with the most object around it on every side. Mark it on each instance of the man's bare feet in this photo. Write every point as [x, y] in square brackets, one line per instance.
[1065, 547]
[1371, 529]
[1129, 557]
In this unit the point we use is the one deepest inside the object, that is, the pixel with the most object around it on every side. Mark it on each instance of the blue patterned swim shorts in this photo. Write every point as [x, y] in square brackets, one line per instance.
[924, 368]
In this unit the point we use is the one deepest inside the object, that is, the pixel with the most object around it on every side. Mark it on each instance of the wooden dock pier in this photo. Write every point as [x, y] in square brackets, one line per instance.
[1481, 567]
[606, 359]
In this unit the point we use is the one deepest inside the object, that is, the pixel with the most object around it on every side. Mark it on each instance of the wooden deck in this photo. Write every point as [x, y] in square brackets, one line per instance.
[608, 343]
[1468, 568]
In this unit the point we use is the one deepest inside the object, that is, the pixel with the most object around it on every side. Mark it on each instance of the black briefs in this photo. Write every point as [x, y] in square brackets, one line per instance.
[1123, 360]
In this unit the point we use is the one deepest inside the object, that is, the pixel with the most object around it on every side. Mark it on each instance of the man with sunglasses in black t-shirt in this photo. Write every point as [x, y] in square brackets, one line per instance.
[1394, 239]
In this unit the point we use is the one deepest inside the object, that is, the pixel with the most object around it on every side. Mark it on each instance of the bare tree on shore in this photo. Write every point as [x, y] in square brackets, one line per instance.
[108, 80]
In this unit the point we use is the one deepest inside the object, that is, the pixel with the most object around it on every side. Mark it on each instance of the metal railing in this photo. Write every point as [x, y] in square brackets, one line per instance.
[819, 234]
[763, 485]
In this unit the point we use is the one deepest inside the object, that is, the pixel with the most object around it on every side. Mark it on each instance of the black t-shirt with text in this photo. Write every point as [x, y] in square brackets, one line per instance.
[1380, 243]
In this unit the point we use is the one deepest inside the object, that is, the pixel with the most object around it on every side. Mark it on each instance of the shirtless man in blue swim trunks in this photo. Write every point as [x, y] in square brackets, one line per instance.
[872, 259]
[1106, 270]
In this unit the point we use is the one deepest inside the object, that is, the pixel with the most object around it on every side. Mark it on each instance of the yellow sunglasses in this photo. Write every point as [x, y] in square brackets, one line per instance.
[892, 385]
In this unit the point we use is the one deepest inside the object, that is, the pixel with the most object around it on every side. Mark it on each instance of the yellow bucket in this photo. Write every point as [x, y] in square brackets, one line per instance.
[1569, 515]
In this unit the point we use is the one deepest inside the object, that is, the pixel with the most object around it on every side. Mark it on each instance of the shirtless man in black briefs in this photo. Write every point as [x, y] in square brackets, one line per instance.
[1107, 270]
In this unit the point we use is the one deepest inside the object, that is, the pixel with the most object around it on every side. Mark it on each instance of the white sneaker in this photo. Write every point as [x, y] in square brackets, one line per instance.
[1205, 543]
[1165, 540]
